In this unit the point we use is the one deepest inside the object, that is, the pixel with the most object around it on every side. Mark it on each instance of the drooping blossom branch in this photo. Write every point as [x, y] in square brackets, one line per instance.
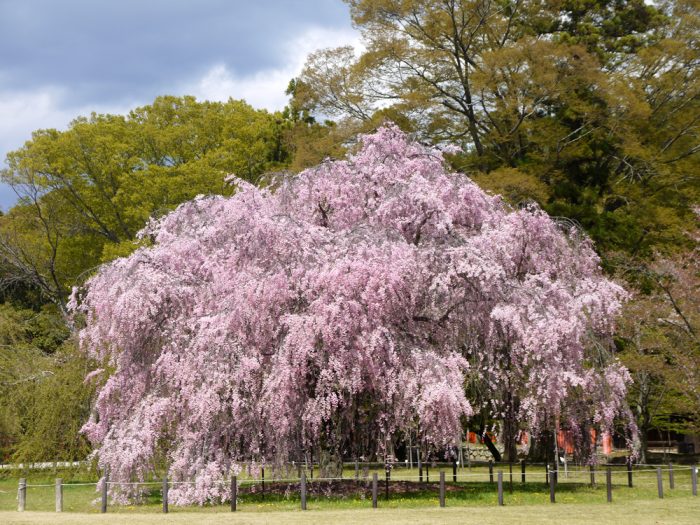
[347, 307]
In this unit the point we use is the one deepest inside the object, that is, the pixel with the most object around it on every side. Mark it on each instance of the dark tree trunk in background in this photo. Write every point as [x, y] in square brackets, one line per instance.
[510, 428]
[542, 447]
[489, 444]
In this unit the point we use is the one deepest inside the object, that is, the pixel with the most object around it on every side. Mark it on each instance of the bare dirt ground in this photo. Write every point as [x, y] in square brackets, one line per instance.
[677, 512]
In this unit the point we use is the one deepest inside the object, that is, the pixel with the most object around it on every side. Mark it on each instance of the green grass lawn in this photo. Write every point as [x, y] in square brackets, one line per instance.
[473, 490]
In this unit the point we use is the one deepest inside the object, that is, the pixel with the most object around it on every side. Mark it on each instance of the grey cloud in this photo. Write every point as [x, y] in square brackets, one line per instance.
[115, 53]
[111, 49]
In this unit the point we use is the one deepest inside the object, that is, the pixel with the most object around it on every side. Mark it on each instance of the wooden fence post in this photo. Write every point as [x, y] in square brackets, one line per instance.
[442, 488]
[608, 483]
[22, 494]
[694, 479]
[500, 488]
[357, 470]
[420, 467]
[374, 490]
[490, 471]
[552, 485]
[165, 495]
[659, 482]
[387, 477]
[59, 495]
[302, 487]
[522, 471]
[546, 474]
[454, 470]
[671, 483]
[103, 506]
[234, 493]
[629, 472]
[262, 473]
[593, 476]
[510, 472]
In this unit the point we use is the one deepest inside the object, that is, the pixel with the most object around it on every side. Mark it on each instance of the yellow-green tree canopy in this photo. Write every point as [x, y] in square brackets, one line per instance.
[593, 104]
[85, 192]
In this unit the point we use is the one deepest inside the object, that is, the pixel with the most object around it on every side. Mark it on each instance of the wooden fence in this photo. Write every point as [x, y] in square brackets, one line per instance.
[626, 476]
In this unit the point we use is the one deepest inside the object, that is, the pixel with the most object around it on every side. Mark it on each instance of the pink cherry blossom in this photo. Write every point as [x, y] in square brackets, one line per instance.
[348, 307]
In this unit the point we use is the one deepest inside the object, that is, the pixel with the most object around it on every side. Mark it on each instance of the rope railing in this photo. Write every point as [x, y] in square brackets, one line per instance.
[616, 470]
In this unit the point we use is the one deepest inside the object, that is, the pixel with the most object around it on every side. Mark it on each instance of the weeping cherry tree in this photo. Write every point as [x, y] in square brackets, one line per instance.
[342, 310]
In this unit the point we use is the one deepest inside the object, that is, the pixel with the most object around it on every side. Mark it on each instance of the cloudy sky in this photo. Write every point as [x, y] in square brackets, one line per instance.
[62, 59]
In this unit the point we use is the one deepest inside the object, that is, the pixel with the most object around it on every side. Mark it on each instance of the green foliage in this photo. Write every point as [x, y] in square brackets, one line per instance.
[592, 104]
[43, 400]
[52, 408]
[660, 341]
[514, 185]
[85, 192]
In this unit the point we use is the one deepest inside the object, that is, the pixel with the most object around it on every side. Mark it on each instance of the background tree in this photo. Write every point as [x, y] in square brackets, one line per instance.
[308, 141]
[579, 98]
[85, 192]
[659, 335]
[43, 399]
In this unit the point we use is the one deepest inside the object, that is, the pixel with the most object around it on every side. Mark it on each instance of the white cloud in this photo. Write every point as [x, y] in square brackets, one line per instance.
[23, 112]
[265, 89]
